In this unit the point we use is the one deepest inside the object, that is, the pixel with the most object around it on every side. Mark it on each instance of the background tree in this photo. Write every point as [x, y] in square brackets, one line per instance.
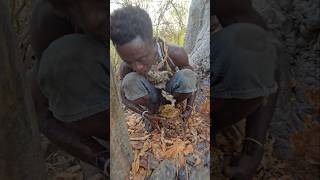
[120, 149]
[20, 152]
[197, 39]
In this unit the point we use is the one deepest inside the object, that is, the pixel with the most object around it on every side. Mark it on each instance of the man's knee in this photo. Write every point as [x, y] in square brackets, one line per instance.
[131, 80]
[185, 81]
[133, 86]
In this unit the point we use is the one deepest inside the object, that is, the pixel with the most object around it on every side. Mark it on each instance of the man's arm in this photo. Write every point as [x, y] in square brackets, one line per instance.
[155, 119]
[180, 59]
[74, 142]
[124, 70]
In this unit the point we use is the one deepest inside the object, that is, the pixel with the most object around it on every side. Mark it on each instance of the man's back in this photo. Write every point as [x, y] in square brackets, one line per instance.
[244, 61]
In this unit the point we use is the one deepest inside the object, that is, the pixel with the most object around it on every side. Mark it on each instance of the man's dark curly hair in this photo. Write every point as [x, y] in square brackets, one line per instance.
[128, 23]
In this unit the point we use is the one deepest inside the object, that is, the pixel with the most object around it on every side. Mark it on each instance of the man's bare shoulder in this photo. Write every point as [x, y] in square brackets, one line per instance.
[179, 56]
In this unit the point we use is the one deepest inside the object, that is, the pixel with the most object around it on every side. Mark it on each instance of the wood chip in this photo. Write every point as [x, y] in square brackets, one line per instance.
[174, 150]
[150, 151]
[148, 161]
[140, 138]
[136, 144]
[181, 159]
[198, 160]
[189, 149]
[136, 163]
[141, 174]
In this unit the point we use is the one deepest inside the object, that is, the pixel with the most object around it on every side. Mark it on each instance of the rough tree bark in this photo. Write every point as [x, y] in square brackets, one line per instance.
[197, 39]
[20, 152]
[297, 25]
[120, 148]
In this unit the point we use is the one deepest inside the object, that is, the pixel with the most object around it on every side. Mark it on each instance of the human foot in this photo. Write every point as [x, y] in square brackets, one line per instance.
[244, 167]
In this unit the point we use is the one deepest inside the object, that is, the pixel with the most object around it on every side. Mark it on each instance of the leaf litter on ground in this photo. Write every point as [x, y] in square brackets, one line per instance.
[175, 141]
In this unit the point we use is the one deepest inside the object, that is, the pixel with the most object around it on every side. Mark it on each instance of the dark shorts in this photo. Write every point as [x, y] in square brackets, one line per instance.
[243, 60]
[74, 76]
[136, 86]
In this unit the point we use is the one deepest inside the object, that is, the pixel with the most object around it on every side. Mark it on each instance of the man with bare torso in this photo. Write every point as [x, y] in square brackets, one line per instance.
[70, 86]
[132, 34]
[243, 58]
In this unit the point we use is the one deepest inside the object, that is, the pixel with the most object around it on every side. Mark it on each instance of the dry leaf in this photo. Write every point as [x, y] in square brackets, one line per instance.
[194, 132]
[145, 148]
[168, 142]
[174, 149]
[156, 137]
[189, 149]
[205, 107]
[198, 160]
[140, 138]
[181, 159]
[136, 163]
[148, 161]
[156, 150]
[137, 134]
[141, 174]
[136, 144]
[163, 147]
[203, 136]
[131, 123]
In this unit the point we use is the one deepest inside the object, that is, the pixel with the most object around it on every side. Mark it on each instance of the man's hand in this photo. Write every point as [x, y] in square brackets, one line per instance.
[187, 113]
[154, 120]
[103, 162]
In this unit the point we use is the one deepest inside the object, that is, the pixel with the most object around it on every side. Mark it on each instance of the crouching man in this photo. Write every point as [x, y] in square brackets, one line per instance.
[70, 79]
[151, 68]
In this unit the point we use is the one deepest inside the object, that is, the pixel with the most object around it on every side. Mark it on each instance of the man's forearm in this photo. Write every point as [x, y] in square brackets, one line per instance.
[190, 100]
[135, 108]
[75, 143]
[78, 145]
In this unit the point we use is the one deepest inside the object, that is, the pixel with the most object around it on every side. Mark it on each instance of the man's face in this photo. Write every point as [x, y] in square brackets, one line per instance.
[138, 54]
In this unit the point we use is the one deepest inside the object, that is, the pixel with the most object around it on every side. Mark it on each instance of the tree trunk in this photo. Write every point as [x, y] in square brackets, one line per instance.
[197, 39]
[121, 151]
[296, 25]
[20, 151]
